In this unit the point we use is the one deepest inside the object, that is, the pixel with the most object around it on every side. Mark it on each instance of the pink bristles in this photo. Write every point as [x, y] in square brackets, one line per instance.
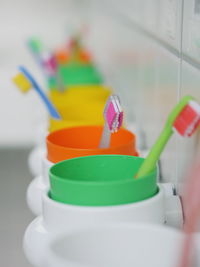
[49, 63]
[110, 115]
[113, 114]
[188, 119]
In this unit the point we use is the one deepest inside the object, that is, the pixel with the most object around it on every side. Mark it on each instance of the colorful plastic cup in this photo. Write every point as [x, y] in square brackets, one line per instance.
[86, 93]
[102, 180]
[84, 140]
[80, 113]
[74, 142]
[77, 74]
[83, 105]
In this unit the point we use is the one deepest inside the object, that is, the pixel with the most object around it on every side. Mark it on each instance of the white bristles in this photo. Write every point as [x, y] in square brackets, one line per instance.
[195, 106]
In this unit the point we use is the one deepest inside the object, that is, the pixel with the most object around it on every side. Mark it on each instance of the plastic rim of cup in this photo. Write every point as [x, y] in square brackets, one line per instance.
[84, 140]
[77, 74]
[101, 180]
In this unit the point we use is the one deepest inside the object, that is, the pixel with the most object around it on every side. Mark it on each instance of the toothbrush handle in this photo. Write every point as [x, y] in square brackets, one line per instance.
[105, 138]
[52, 110]
[59, 81]
[153, 156]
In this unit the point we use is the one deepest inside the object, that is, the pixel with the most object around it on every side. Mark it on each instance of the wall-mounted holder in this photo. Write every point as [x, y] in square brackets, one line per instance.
[35, 159]
[70, 143]
[106, 193]
[59, 218]
[109, 244]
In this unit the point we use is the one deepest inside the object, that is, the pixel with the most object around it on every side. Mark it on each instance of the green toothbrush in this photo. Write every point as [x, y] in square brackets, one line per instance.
[184, 119]
[36, 49]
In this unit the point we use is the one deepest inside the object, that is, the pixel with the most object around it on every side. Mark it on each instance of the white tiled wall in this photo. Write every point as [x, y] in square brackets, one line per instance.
[149, 52]
[153, 57]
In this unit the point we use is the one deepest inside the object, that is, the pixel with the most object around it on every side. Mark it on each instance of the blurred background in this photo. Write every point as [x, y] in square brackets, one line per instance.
[148, 51]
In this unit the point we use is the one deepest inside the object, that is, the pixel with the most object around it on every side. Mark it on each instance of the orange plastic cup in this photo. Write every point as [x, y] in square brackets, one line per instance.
[62, 56]
[84, 140]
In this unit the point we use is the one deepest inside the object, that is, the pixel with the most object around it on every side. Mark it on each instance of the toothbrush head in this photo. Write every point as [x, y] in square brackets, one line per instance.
[22, 82]
[184, 119]
[62, 56]
[49, 63]
[113, 113]
[188, 119]
[35, 45]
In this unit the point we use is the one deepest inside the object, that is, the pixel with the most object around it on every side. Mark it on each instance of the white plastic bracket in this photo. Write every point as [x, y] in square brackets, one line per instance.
[173, 206]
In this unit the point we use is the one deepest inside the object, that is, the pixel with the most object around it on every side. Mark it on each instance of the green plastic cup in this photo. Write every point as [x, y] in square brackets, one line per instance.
[101, 180]
[76, 74]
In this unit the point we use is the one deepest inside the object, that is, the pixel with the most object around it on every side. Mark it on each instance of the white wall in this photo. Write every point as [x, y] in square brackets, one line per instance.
[152, 52]
[53, 21]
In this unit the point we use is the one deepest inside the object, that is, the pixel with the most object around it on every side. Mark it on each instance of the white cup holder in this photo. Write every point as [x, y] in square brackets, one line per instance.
[35, 159]
[38, 187]
[58, 218]
[109, 244]
[164, 201]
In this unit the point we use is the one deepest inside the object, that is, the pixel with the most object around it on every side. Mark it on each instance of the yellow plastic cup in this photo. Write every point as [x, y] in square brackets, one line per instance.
[77, 114]
[89, 93]
[79, 105]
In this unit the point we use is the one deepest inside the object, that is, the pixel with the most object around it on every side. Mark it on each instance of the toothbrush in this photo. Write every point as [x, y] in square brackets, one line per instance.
[75, 47]
[113, 116]
[51, 68]
[191, 204]
[25, 82]
[35, 47]
[184, 119]
[46, 61]
[49, 63]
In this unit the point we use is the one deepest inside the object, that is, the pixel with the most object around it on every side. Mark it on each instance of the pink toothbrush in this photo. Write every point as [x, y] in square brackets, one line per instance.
[49, 63]
[191, 207]
[113, 116]
[51, 69]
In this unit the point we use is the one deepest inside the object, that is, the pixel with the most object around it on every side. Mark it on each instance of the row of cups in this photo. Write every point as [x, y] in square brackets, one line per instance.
[82, 186]
[90, 210]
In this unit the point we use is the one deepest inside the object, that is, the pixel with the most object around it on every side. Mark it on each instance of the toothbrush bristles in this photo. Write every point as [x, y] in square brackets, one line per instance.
[188, 120]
